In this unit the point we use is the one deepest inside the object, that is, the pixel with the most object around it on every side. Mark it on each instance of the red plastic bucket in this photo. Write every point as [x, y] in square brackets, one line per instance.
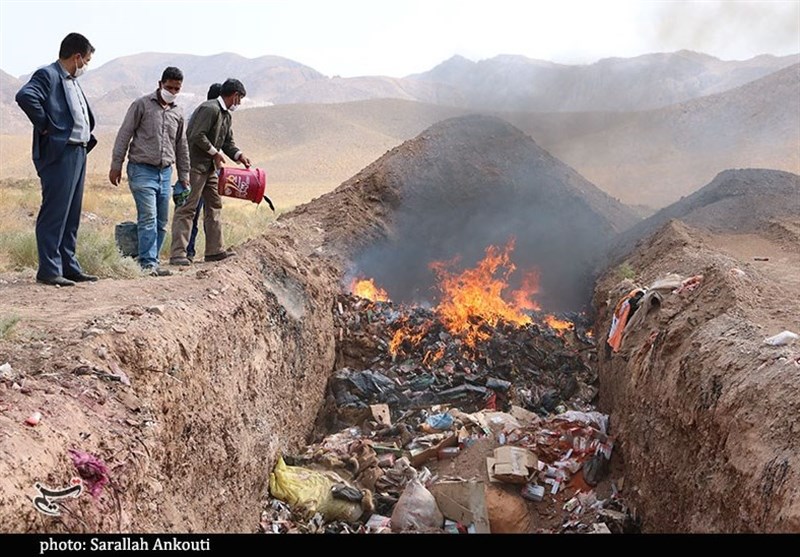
[243, 183]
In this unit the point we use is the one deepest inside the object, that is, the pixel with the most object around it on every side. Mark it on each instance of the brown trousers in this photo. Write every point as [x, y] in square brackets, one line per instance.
[202, 185]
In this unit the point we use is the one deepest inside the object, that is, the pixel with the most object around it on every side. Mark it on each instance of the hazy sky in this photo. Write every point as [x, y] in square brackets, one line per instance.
[396, 38]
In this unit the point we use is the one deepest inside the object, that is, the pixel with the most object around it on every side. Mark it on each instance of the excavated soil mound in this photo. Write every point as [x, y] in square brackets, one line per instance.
[705, 408]
[735, 201]
[467, 183]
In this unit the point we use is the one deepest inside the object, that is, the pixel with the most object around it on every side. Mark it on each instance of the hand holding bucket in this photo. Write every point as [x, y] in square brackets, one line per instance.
[248, 183]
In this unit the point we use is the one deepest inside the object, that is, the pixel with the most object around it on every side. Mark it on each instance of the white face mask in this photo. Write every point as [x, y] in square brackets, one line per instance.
[167, 96]
[79, 71]
[233, 107]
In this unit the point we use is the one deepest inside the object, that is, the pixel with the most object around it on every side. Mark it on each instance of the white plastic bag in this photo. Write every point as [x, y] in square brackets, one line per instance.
[416, 510]
[786, 337]
[596, 419]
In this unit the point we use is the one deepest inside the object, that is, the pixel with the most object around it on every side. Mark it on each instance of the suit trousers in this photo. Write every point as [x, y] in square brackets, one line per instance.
[60, 213]
[203, 186]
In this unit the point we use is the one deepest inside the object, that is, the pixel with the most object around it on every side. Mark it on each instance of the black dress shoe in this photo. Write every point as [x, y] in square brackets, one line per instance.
[220, 256]
[55, 281]
[81, 277]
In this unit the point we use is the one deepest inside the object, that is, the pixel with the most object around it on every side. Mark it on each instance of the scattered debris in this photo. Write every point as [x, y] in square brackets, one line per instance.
[511, 464]
[34, 419]
[781, 339]
[312, 492]
[93, 332]
[381, 414]
[533, 492]
[689, 284]
[416, 510]
[117, 372]
[91, 469]
[463, 502]
[410, 394]
[378, 524]
[8, 373]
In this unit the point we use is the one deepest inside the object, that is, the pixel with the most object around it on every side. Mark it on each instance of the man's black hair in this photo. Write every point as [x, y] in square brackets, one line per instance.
[73, 44]
[172, 73]
[213, 91]
[232, 86]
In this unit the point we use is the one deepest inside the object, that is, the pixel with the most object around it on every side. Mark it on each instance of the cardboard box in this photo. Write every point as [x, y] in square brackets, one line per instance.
[381, 414]
[511, 464]
[464, 502]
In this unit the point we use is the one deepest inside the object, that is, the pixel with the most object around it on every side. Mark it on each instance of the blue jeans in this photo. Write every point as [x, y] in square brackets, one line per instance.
[151, 188]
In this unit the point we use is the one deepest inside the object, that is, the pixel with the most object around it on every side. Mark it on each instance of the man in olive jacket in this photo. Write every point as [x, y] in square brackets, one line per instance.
[209, 135]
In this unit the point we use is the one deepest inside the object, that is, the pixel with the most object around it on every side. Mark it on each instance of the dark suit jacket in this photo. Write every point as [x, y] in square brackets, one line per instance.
[44, 100]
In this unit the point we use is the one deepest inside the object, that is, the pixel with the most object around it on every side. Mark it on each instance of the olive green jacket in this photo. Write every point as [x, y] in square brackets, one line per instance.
[210, 131]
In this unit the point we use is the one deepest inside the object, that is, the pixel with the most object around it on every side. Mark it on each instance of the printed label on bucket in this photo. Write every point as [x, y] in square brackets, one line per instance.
[236, 186]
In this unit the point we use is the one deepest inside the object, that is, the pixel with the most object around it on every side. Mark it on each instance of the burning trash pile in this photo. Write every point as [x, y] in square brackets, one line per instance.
[477, 378]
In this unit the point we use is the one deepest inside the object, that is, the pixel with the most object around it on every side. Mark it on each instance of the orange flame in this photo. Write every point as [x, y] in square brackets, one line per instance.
[366, 288]
[433, 356]
[472, 298]
[408, 334]
[560, 326]
[523, 298]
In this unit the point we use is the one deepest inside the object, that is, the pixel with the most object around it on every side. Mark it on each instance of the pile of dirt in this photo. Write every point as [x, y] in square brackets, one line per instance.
[735, 201]
[470, 182]
[704, 407]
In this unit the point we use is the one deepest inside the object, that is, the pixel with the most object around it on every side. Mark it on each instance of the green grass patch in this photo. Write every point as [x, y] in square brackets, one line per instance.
[7, 324]
[98, 255]
[97, 251]
[625, 271]
[20, 248]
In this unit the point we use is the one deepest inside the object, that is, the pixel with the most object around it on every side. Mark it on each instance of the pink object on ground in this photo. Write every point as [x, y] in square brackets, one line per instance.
[91, 469]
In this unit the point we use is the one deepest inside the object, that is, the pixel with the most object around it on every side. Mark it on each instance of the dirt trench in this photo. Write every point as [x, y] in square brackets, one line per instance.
[187, 387]
[705, 409]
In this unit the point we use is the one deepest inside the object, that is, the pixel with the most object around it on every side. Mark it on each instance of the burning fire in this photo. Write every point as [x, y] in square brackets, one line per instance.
[473, 297]
[530, 286]
[366, 288]
[471, 303]
[433, 356]
[413, 335]
[560, 326]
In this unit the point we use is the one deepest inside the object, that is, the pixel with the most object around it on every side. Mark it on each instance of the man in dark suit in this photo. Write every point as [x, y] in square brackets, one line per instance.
[62, 137]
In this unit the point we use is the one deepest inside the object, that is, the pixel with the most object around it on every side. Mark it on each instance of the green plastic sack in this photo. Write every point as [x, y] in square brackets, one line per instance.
[309, 491]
